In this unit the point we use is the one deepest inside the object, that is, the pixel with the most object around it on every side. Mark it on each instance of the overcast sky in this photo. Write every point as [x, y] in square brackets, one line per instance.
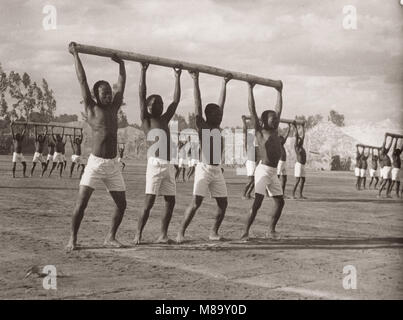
[323, 66]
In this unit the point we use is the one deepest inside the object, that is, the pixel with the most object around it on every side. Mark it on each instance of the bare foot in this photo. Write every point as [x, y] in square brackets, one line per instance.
[302, 197]
[72, 245]
[113, 243]
[379, 196]
[215, 237]
[137, 239]
[180, 238]
[164, 240]
[273, 235]
[245, 237]
[389, 196]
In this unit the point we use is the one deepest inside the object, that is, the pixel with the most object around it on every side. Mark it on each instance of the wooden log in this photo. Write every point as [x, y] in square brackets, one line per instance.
[299, 122]
[366, 146]
[132, 56]
[49, 124]
[393, 135]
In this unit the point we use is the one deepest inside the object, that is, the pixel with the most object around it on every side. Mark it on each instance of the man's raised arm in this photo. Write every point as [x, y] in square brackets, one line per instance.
[143, 92]
[223, 92]
[303, 134]
[120, 85]
[197, 97]
[252, 108]
[12, 129]
[297, 135]
[177, 96]
[82, 79]
[390, 144]
[279, 104]
[24, 131]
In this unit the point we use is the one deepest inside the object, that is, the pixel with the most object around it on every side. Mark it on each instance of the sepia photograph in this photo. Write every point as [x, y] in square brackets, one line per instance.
[201, 154]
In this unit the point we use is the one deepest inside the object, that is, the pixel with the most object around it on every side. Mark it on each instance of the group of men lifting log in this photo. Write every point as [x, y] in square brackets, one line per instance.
[56, 149]
[389, 169]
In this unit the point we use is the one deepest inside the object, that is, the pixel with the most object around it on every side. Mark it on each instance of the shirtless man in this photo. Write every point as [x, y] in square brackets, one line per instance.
[386, 168]
[121, 149]
[192, 159]
[102, 163]
[39, 146]
[266, 179]
[301, 161]
[373, 171]
[18, 138]
[281, 168]
[160, 176]
[76, 147]
[51, 152]
[209, 177]
[58, 155]
[252, 152]
[358, 166]
[364, 167]
[396, 165]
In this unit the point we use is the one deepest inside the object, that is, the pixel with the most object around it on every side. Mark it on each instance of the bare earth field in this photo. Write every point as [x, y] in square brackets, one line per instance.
[335, 227]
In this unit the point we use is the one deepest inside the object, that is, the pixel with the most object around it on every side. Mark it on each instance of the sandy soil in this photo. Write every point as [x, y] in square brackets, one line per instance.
[335, 227]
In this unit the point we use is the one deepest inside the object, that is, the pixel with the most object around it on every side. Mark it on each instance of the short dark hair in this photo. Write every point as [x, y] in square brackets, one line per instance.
[209, 107]
[152, 97]
[97, 85]
[265, 115]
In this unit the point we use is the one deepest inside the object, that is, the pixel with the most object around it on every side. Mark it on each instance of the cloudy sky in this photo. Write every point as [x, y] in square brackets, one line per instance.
[323, 66]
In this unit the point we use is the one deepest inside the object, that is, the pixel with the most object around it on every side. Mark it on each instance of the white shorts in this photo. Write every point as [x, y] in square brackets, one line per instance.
[250, 168]
[373, 173]
[119, 159]
[363, 173]
[209, 178]
[357, 171]
[386, 172]
[396, 174]
[49, 157]
[58, 157]
[18, 157]
[299, 171]
[266, 180]
[105, 170]
[76, 159]
[38, 157]
[160, 177]
[281, 169]
[181, 162]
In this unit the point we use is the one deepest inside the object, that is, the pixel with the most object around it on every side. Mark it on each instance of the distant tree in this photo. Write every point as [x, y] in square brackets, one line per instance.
[336, 118]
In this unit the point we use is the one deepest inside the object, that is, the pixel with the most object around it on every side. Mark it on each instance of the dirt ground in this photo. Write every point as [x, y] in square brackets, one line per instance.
[337, 226]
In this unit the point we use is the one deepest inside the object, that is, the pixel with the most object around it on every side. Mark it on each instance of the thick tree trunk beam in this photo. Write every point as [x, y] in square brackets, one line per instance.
[299, 122]
[171, 63]
[49, 124]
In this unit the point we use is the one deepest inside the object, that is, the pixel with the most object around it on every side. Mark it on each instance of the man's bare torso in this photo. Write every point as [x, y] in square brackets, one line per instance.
[269, 147]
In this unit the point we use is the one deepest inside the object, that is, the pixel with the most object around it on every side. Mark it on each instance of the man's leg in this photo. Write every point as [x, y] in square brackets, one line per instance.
[149, 203]
[252, 214]
[295, 187]
[358, 183]
[177, 169]
[82, 170]
[389, 188]
[33, 168]
[301, 188]
[247, 187]
[24, 168]
[275, 216]
[283, 180]
[84, 194]
[251, 188]
[64, 164]
[189, 214]
[183, 173]
[120, 206]
[166, 219]
[376, 183]
[397, 188]
[124, 165]
[60, 167]
[54, 164]
[364, 181]
[222, 204]
[190, 172]
[370, 183]
[14, 167]
[72, 168]
[383, 185]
